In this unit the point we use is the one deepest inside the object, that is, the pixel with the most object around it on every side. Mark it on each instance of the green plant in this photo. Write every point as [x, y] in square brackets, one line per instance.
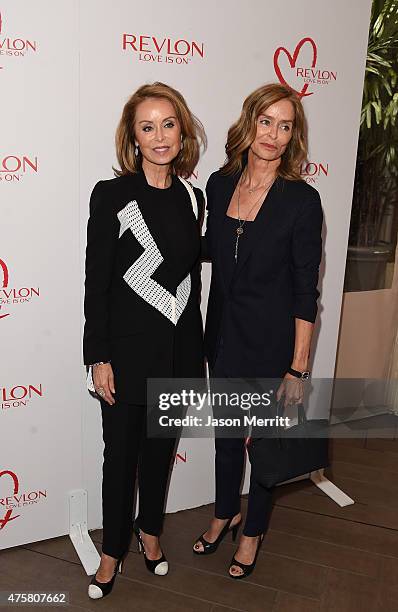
[376, 176]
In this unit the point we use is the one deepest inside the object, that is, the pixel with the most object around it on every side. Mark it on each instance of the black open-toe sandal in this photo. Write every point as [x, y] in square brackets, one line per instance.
[211, 547]
[246, 569]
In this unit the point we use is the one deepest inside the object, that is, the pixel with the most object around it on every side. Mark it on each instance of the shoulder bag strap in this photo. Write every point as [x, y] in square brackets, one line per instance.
[192, 195]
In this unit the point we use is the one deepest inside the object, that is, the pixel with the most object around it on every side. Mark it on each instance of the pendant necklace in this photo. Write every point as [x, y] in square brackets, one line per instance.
[241, 222]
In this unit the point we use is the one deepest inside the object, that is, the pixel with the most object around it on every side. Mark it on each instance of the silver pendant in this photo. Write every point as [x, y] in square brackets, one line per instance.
[239, 231]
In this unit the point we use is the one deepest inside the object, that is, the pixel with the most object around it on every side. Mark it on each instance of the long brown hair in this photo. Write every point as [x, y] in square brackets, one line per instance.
[192, 132]
[243, 132]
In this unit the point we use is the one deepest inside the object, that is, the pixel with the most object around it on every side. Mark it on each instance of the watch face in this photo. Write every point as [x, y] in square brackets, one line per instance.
[305, 375]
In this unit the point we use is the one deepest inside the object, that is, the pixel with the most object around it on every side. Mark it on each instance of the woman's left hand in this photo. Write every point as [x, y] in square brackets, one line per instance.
[292, 388]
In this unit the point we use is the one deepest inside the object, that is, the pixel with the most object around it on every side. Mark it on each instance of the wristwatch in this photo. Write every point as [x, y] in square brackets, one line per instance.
[303, 375]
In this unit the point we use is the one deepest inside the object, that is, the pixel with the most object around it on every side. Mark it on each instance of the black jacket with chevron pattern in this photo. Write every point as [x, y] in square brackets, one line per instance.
[142, 287]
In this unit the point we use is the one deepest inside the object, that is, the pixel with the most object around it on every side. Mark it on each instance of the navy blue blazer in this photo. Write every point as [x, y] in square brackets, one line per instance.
[274, 283]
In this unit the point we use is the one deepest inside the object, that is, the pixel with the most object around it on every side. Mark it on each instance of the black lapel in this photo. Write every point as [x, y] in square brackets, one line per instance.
[263, 222]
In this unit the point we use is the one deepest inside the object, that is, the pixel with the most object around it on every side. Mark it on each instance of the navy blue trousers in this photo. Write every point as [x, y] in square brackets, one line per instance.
[230, 464]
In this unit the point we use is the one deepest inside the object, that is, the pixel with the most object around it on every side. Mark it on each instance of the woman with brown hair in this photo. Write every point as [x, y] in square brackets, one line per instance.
[264, 241]
[142, 310]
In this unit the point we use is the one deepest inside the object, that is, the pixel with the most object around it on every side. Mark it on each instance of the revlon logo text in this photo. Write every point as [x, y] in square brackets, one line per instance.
[312, 171]
[10, 295]
[180, 458]
[14, 167]
[159, 50]
[15, 499]
[14, 45]
[19, 396]
[293, 74]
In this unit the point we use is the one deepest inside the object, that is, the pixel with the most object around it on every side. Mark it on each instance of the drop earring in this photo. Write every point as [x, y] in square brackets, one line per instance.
[181, 144]
[136, 150]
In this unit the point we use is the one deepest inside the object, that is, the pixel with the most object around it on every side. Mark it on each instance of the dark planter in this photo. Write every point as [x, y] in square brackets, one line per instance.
[366, 267]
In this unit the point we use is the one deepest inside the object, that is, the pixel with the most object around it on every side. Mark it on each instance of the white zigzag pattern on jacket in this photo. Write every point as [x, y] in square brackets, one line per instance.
[138, 276]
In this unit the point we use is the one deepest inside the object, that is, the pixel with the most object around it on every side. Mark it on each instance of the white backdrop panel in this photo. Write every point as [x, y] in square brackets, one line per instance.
[239, 42]
[40, 434]
[57, 140]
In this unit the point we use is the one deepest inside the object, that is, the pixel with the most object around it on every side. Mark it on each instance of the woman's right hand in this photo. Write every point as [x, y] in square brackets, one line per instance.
[104, 382]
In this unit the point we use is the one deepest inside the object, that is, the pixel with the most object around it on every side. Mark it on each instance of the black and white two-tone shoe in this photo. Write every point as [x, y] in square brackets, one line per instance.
[160, 567]
[97, 590]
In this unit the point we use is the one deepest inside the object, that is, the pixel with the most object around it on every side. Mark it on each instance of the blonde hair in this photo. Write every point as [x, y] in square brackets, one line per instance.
[243, 132]
[192, 132]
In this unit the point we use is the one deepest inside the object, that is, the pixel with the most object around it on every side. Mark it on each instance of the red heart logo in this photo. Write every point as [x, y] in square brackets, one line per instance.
[292, 61]
[7, 517]
[4, 269]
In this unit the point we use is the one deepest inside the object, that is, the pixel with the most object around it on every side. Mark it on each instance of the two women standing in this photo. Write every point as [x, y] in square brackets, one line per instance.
[142, 298]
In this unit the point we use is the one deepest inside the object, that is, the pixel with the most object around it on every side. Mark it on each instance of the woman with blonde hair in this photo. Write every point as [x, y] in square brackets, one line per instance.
[142, 310]
[264, 241]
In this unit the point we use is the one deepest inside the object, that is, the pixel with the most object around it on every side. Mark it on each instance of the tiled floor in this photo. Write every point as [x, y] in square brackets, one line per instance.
[316, 555]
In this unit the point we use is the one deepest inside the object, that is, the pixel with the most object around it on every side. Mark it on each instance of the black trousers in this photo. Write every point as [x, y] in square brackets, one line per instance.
[127, 448]
[230, 463]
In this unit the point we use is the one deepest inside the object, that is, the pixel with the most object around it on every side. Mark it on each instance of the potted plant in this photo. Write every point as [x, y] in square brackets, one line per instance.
[374, 215]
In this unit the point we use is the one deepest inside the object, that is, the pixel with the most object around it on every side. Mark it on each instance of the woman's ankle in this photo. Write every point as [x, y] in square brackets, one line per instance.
[108, 558]
[232, 519]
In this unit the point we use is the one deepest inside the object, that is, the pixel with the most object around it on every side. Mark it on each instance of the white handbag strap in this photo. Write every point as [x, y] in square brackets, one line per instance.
[192, 195]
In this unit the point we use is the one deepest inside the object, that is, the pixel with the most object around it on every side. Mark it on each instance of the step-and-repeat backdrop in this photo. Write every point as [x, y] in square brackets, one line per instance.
[66, 70]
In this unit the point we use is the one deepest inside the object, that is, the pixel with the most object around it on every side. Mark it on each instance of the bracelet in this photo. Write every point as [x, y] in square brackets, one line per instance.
[99, 363]
[301, 375]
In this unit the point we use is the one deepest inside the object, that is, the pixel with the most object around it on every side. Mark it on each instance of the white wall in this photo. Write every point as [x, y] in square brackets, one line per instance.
[64, 112]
